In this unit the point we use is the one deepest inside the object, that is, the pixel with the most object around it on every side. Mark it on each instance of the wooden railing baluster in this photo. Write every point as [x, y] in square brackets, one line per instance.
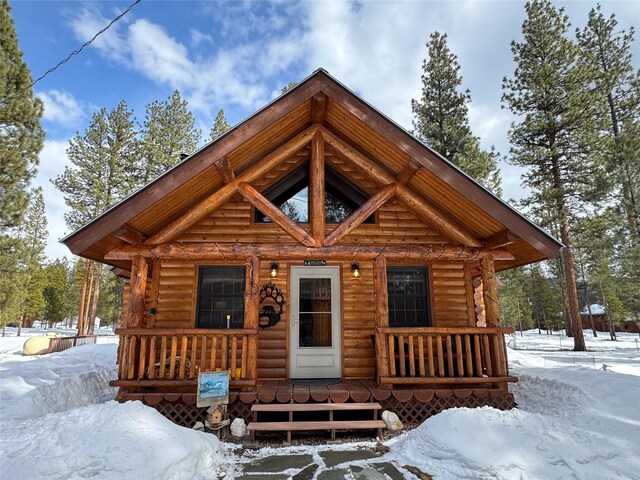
[152, 358]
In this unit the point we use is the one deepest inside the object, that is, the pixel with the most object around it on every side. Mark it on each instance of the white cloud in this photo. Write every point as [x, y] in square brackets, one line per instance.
[197, 37]
[61, 107]
[88, 21]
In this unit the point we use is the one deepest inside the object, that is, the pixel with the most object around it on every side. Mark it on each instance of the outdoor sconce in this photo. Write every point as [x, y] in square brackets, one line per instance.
[152, 311]
[274, 270]
[355, 268]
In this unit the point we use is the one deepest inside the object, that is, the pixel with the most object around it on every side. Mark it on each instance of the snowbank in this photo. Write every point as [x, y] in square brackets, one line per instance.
[571, 422]
[106, 441]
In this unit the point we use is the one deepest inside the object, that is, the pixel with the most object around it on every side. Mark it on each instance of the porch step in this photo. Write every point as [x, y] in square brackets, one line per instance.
[330, 424]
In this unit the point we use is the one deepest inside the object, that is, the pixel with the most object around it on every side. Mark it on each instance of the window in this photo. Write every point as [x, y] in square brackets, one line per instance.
[291, 195]
[220, 297]
[408, 291]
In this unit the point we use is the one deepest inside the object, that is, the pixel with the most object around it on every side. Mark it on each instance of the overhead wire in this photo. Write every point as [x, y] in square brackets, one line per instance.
[76, 51]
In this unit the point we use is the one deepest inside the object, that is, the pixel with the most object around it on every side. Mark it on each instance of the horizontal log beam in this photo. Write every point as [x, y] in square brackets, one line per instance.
[360, 215]
[235, 252]
[277, 216]
[128, 234]
[446, 330]
[447, 380]
[202, 332]
[221, 196]
[500, 239]
[418, 205]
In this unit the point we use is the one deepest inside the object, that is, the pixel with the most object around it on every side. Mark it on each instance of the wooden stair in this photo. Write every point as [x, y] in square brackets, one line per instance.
[329, 424]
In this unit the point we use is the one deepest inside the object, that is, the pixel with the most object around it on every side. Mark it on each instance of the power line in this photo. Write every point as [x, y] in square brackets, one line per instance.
[77, 51]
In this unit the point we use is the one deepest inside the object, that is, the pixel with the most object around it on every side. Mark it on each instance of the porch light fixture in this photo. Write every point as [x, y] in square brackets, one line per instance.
[274, 270]
[355, 268]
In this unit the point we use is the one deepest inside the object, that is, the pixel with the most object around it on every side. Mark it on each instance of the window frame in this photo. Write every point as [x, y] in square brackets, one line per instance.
[428, 295]
[201, 268]
[335, 184]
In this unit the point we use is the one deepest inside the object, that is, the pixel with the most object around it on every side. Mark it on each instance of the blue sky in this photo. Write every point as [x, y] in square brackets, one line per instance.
[238, 55]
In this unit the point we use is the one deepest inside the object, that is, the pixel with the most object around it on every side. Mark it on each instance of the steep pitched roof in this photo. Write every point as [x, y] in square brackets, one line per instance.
[350, 122]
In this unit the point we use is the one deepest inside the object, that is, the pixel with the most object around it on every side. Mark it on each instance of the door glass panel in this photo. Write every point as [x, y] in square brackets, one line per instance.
[315, 312]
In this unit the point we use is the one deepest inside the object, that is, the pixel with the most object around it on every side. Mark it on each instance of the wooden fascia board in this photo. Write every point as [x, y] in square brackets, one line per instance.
[155, 191]
[439, 166]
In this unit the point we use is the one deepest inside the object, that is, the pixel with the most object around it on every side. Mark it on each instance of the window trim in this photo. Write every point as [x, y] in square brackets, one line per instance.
[200, 266]
[300, 176]
[429, 297]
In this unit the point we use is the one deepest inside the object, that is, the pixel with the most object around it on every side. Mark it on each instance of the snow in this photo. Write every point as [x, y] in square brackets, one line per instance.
[577, 418]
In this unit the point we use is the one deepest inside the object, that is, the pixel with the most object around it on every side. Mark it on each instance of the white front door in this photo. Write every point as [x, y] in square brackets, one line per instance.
[315, 323]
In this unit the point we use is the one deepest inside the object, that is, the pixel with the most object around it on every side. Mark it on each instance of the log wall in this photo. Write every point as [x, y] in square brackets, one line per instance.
[177, 284]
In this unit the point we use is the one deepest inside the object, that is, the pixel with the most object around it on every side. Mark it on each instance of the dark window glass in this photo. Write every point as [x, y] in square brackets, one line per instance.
[291, 195]
[220, 297]
[408, 291]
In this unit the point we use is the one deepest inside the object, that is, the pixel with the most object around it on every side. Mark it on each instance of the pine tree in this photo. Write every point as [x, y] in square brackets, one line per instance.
[102, 173]
[30, 277]
[608, 52]
[21, 136]
[103, 165]
[288, 87]
[168, 132]
[557, 136]
[442, 117]
[55, 291]
[220, 126]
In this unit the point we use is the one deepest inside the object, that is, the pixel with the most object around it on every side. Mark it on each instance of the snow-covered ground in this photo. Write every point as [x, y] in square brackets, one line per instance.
[573, 421]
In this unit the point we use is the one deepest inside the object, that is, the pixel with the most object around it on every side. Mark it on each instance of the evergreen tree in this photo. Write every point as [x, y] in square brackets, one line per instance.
[168, 132]
[220, 126]
[442, 117]
[29, 280]
[608, 52]
[21, 136]
[11, 252]
[55, 291]
[557, 137]
[103, 161]
[288, 87]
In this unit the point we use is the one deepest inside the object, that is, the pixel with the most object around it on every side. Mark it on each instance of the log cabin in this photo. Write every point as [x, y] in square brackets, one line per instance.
[320, 254]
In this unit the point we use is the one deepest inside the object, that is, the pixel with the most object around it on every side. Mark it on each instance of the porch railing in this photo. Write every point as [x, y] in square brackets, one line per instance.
[59, 344]
[442, 355]
[161, 356]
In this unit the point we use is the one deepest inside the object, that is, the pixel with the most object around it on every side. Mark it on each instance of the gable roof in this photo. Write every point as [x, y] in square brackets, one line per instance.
[319, 99]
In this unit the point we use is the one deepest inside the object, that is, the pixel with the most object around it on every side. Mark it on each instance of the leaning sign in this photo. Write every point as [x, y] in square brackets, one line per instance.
[213, 389]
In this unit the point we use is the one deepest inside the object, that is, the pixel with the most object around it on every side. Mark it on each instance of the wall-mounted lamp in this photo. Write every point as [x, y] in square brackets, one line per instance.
[274, 270]
[152, 311]
[355, 268]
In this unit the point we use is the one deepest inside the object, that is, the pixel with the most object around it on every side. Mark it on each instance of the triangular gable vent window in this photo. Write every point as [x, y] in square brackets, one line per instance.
[291, 195]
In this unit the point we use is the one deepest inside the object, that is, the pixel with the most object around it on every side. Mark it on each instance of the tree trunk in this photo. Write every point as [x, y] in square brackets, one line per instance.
[87, 266]
[20, 324]
[4, 329]
[87, 303]
[94, 307]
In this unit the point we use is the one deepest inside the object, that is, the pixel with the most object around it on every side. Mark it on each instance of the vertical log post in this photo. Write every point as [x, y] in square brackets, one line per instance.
[138, 286]
[489, 291]
[316, 188]
[381, 315]
[155, 289]
[251, 313]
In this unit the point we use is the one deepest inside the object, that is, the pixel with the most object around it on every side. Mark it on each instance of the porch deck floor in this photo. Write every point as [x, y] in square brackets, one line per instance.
[284, 391]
